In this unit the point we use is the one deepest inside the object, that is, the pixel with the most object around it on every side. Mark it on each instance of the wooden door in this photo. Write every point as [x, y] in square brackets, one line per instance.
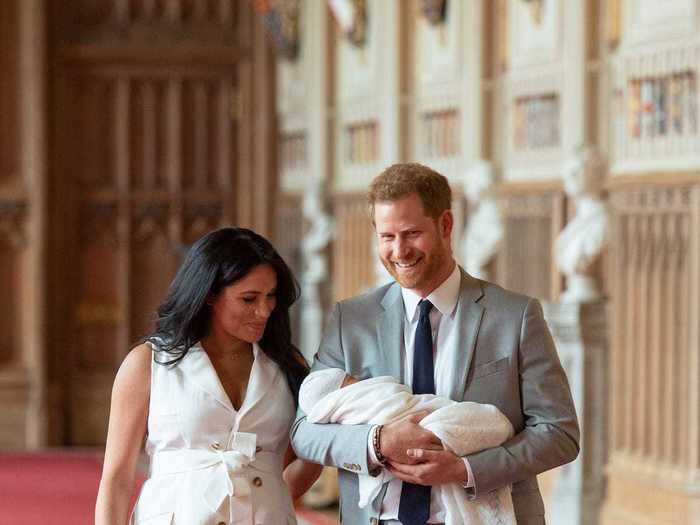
[154, 143]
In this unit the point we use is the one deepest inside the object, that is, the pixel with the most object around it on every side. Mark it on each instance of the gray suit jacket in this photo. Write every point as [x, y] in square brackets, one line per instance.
[507, 359]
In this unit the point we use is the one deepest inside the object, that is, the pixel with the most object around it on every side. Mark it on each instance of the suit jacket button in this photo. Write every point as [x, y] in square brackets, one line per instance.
[258, 448]
[257, 481]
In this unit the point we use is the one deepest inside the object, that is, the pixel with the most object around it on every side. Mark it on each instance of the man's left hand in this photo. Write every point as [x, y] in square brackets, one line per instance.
[435, 467]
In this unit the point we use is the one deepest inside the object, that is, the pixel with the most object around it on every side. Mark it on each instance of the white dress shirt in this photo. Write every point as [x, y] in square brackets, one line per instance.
[445, 347]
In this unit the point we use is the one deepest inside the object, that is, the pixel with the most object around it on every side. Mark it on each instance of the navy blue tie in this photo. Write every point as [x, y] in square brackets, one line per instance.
[414, 507]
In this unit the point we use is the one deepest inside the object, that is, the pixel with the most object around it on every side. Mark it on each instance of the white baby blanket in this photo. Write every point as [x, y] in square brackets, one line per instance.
[463, 428]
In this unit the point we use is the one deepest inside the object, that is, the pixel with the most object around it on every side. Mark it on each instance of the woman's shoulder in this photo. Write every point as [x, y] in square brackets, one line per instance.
[135, 371]
[139, 357]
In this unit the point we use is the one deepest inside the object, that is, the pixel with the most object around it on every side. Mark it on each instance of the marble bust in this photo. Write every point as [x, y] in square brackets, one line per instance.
[581, 242]
[484, 229]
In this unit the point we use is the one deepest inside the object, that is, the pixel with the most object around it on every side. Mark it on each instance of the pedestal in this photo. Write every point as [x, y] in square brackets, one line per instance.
[580, 333]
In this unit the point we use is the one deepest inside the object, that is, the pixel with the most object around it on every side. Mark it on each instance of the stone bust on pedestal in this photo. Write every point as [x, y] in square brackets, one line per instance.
[484, 229]
[581, 242]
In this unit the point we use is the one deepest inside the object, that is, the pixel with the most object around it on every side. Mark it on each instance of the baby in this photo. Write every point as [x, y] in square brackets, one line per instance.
[332, 396]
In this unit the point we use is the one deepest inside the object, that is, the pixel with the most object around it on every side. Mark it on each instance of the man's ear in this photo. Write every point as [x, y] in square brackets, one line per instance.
[446, 222]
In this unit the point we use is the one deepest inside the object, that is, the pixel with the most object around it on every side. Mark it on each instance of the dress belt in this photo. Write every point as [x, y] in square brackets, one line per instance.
[230, 477]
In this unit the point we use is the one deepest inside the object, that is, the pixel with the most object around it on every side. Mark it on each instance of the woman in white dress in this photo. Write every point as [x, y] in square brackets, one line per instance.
[213, 391]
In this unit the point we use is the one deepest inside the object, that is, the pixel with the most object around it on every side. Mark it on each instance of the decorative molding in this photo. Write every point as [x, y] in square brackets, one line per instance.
[99, 223]
[536, 122]
[655, 120]
[199, 218]
[440, 131]
[151, 55]
[150, 220]
[661, 178]
[675, 199]
[148, 23]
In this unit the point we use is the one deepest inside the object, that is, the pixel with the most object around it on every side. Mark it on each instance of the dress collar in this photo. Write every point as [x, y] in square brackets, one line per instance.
[444, 297]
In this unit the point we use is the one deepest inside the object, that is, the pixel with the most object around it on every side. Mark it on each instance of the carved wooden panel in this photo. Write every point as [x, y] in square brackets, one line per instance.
[289, 230]
[154, 260]
[21, 214]
[13, 217]
[532, 220]
[8, 91]
[654, 349]
[353, 257]
[149, 100]
[98, 312]
[655, 353]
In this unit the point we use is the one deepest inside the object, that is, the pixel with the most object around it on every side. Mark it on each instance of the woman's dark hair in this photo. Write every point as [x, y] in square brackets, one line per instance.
[215, 261]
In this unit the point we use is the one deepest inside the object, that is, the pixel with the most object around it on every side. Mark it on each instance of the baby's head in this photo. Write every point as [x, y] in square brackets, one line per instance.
[320, 383]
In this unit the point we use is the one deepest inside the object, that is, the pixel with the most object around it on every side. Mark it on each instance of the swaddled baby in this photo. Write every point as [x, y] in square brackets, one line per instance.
[332, 396]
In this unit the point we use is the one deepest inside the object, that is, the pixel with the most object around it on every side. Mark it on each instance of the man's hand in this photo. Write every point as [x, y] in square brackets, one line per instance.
[434, 467]
[398, 437]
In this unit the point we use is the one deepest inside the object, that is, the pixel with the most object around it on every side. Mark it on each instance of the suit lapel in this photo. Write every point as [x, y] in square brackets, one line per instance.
[468, 320]
[390, 333]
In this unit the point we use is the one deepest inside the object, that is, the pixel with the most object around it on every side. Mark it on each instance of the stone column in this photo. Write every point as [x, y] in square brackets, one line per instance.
[580, 333]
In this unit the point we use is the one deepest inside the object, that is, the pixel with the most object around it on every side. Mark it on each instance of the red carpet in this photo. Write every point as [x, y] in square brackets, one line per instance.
[60, 488]
[56, 486]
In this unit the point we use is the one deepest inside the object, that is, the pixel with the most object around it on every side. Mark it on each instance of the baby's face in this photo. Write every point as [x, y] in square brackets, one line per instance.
[349, 380]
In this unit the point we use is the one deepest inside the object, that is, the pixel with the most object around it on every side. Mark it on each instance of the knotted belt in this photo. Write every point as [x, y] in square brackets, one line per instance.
[232, 469]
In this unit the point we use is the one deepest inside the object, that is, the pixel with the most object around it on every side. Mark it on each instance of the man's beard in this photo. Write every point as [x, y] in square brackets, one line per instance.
[432, 266]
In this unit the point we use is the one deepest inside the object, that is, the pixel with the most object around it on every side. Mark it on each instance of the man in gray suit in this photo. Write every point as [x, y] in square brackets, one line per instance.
[442, 331]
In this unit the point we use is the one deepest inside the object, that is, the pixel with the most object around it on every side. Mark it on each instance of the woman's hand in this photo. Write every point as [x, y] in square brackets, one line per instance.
[127, 427]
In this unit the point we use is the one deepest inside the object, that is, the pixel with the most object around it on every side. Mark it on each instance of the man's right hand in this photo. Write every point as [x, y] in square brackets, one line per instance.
[404, 434]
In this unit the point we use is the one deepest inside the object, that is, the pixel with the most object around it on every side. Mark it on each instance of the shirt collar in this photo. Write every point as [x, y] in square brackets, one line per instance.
[444, 297]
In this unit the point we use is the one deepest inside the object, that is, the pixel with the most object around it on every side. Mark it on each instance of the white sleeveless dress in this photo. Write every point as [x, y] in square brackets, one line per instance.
[209, 463]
